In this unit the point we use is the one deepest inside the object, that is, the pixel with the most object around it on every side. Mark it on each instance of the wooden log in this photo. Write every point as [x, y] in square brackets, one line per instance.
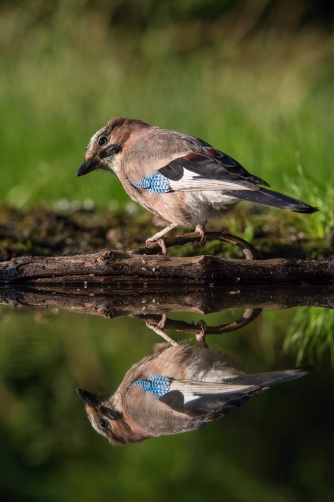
[111, 266]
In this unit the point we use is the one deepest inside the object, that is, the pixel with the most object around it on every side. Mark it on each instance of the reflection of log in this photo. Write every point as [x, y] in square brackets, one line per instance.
[146, 300]
[108, 266]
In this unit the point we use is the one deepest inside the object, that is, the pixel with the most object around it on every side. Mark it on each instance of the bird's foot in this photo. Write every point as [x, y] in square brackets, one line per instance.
[159, 238]
[201, 336]
[162, 244]
[160, 241]
[159, 329]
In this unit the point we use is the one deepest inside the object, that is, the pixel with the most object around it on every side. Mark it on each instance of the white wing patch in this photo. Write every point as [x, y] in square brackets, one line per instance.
[192, 181]
[192, 389]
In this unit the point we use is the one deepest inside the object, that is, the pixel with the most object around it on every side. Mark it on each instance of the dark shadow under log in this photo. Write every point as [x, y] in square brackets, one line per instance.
[150, 301]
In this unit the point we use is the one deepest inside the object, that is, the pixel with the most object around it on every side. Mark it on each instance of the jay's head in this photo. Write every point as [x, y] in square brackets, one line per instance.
[105, 147]
[105, 416]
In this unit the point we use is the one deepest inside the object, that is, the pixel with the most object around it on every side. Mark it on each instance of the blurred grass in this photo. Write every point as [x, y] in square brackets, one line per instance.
[310, 332]
[318, 193]
[266, 101]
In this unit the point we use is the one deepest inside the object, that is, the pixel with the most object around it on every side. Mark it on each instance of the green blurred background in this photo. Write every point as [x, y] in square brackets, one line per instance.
[252, 77]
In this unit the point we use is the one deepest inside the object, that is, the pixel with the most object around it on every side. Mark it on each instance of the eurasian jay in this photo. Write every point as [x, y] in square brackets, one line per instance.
[181, 179]
[179, 388]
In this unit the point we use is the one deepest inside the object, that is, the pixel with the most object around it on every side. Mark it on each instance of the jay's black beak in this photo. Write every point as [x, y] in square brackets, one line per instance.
[88, 398]
[88, 167]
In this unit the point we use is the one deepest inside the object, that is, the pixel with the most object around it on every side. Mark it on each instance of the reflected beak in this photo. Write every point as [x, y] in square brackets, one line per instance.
[88, 398]
[88, 167]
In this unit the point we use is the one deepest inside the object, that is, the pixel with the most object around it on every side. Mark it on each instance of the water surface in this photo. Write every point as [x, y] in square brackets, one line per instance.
[277, 446]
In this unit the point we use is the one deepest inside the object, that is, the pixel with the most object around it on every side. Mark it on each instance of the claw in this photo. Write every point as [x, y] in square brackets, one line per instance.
[163, 321]
[162, 244]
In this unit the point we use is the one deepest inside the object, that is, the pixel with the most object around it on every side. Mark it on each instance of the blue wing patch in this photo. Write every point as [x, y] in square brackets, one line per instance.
[159, 385]
[156, 184]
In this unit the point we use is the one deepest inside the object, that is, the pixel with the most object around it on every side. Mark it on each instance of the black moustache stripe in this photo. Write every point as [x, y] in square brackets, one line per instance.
[110, 150]
[110, 413]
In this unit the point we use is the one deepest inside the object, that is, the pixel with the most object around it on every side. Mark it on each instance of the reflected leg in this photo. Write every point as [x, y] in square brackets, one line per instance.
[159, 329]
[200, 337]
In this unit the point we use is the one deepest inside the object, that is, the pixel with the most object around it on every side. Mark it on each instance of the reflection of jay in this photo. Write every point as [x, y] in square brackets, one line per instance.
[182, 180]
[177, 389]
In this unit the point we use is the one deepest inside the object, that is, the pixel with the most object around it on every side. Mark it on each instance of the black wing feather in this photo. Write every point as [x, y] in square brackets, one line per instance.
[210, 164]
[215, 406]
[173, 171]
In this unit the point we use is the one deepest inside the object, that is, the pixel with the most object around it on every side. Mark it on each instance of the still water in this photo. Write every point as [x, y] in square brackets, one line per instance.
[277, 446]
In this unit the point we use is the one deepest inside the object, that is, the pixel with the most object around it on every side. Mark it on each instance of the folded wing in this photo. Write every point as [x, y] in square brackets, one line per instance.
[209, 169]
[182, 162]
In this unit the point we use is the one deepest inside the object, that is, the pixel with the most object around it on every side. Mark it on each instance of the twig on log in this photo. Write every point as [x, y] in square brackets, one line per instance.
[184, 327]
[250, 252]
[201, 330]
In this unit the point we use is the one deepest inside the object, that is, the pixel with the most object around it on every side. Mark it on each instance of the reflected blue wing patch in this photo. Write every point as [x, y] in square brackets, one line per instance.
[156, 184]
[159, 385]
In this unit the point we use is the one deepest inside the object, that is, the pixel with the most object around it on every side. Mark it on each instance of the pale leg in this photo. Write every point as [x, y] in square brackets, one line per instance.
[201, 336]
[200, 228]
[158, 237]
[159, 330]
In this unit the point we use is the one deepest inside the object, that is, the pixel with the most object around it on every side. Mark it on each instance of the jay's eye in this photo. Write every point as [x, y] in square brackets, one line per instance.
[104, 423]
[103, 140]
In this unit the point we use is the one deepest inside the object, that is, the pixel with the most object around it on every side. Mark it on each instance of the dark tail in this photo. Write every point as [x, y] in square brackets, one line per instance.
[268, 379]
[272, 199]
